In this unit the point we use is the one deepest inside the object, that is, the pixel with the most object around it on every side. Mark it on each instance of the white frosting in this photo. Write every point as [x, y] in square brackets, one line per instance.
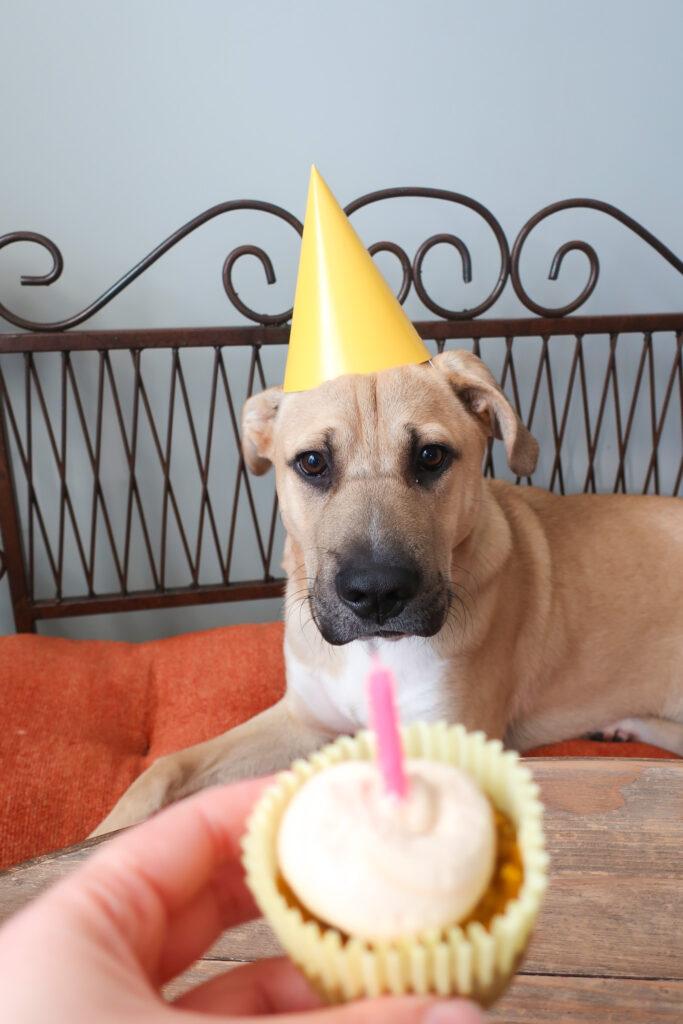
[381, 868]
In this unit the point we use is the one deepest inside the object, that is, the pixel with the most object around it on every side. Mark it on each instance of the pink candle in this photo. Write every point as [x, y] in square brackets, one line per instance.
[384, 723]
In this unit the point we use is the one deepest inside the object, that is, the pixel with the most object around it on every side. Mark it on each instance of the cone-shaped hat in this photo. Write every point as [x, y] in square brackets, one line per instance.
[346, 318]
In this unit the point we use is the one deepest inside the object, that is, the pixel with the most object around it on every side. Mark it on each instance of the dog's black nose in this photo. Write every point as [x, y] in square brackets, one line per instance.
[376, 591]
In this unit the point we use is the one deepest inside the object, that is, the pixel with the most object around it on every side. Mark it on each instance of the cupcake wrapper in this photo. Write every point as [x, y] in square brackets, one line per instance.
[473, 961]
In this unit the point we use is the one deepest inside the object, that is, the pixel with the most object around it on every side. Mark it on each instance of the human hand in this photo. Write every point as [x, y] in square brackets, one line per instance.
[98, 947]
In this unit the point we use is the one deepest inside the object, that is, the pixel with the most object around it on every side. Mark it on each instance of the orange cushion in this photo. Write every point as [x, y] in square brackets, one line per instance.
[81, 719]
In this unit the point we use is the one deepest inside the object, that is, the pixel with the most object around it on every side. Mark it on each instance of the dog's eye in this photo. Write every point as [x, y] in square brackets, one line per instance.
[312, 464]
[431, 457]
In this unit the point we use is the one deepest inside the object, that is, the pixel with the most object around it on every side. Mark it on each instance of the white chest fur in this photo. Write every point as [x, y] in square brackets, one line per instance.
[338, 701]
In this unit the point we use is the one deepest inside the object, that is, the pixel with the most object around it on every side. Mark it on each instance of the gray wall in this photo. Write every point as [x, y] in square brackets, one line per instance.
[122, 121]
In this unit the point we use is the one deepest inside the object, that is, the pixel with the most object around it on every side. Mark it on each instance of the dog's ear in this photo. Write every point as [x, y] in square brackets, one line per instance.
[258, 429]
[476, 388]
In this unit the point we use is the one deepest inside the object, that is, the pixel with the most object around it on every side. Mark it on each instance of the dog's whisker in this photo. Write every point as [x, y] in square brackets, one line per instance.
[302, 594]
[460, 586]
[458, 613]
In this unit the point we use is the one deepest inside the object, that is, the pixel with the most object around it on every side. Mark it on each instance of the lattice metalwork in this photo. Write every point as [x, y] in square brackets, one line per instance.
[125, 485]
[608, 410]
[129, 478]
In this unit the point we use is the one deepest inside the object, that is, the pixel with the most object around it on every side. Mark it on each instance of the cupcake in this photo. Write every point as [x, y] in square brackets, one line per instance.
[373, 890]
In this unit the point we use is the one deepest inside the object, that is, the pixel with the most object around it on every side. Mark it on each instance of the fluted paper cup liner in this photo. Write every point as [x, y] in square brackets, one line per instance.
[472, 960]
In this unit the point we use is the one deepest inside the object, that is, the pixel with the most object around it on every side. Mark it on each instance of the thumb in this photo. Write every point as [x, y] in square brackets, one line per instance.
[398, 1010]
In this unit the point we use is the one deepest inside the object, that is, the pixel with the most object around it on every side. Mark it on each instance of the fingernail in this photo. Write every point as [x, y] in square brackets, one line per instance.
[454, 1011]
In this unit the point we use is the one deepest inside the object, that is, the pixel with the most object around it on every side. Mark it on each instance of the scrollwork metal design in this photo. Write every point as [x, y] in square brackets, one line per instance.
[577, 246]
[403, 259]
[264, 258]
[147, 261]
[458, 244]
[412, 271]
[453, 240]
[32, 236]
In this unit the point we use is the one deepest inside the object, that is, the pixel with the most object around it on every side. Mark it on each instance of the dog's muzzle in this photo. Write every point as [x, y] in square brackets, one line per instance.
[366, 598]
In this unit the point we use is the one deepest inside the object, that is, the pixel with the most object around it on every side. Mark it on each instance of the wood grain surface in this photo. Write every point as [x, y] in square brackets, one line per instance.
[608, 945]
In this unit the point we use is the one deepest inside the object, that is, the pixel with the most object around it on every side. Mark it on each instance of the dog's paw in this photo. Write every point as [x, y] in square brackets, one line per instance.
[658, 732]
[625, 731]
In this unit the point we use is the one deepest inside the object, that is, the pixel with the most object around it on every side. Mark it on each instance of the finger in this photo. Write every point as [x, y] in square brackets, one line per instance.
[135, 886]
[180, 849]
[277, 987]
[262, 987]
[198, 925]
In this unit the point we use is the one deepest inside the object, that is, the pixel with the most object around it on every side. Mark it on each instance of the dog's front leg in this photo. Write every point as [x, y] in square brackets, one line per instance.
[267, 742]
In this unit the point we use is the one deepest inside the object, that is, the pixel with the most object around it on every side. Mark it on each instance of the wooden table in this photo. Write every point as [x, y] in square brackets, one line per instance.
[608, 945]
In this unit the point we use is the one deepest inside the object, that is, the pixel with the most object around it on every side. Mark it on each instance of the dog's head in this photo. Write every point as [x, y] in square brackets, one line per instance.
[379, 483]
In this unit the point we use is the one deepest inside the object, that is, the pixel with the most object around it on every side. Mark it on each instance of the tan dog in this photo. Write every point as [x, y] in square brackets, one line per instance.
[531, 616]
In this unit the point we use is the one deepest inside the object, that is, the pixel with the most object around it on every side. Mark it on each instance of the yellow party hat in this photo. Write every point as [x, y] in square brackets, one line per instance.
[346, 318]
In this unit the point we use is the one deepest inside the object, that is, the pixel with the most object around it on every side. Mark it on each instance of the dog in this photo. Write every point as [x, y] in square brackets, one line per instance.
[512, 610]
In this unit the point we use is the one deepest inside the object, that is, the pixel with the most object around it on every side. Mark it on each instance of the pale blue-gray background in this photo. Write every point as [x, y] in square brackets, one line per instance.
[122, 121]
